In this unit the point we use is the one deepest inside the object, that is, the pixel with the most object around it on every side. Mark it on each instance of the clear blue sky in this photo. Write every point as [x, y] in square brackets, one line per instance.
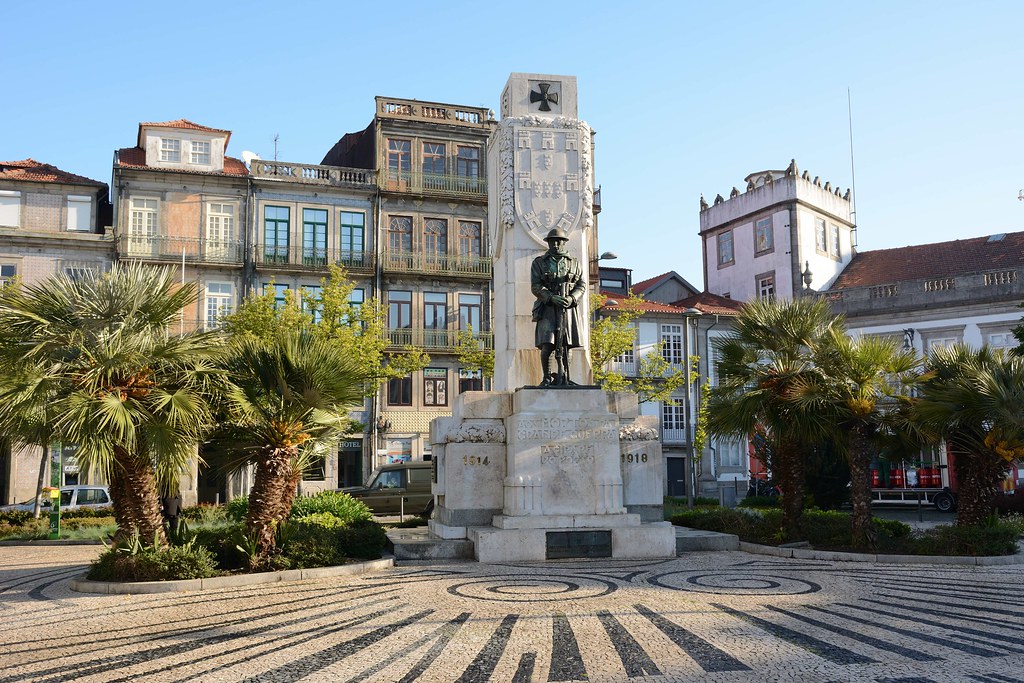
[687, 98]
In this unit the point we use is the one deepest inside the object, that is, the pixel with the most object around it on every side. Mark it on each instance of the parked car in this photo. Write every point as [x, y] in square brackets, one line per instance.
[71, 498]
[392, 489]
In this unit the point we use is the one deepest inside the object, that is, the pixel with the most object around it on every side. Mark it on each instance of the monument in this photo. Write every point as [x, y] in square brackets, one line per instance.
[546, 465]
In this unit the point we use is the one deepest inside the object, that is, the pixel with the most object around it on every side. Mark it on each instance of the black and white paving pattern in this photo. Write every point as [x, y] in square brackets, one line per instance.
[724, 616]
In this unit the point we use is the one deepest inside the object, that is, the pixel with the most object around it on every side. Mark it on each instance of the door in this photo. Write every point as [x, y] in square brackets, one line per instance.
[676, 477]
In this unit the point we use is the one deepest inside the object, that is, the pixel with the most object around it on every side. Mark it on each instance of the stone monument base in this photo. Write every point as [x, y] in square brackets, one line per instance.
[642, 541]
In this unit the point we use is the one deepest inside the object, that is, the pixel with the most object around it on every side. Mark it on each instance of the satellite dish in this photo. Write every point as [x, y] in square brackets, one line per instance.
[248, 157]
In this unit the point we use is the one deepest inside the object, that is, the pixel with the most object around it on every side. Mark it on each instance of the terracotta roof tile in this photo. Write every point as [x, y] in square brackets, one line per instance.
[183, 124]
[938, 260]
[644, 285]
[135, 157]
[706, 302]
[30, 170]
[645, 306]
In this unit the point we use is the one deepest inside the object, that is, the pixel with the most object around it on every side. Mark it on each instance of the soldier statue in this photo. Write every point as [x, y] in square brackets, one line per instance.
[557, 281]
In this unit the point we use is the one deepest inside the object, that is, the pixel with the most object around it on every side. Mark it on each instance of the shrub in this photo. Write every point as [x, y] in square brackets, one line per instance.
[990, 539]
[237, 508]
[761, 502]
[322, 540]
[15, 517]
[341, 505]
[1014, 520]
[221, 542]
[364, 540]
[87, 513]
[754, 526]
[86, 522]
[205, 514]
[410, 523]
[149, 564]
[30, 528]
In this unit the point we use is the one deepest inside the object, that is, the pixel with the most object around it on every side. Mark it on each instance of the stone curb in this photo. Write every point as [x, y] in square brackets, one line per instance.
[834, 556]
[83, 585]
[47, 541]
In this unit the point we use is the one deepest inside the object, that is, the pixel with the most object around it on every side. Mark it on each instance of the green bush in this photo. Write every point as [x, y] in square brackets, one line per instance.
[975, 541]
[363, 540]
[1014, 520]
[754, 526]
[15, 517]
[74, 523]
[341, 505]
[222, 542]
[30, 528]
[761, 502]
[321, 541]
[237, 508]
[205, 514]
[87, 513]
[149, 564]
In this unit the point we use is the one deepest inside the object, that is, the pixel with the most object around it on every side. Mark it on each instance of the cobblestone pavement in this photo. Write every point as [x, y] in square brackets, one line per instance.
[723, 617]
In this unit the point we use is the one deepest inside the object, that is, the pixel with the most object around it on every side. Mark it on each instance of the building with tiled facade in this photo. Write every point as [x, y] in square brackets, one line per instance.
[51, 221]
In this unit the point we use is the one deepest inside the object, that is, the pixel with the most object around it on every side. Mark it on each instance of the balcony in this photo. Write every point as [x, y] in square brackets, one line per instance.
[434, 264]
[438, 340]
[312, 174]
[293, 257]
[674, 436]
[434, 184]
[177, 249]
[435, 112]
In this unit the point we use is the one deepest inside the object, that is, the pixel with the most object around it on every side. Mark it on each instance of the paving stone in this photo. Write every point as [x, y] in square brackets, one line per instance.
[707, 616]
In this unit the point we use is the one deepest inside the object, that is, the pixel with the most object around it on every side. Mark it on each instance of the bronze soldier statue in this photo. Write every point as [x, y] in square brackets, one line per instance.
[557, 281]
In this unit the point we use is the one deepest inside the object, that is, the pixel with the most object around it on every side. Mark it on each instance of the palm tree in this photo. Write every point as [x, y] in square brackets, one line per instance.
[134, 397]
[860, 384]
[291, 400]
[974, 399]
[26, 415]
[768, 356]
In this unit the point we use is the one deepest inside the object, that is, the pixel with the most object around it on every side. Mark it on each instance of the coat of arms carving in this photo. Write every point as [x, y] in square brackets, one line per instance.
[548, 172]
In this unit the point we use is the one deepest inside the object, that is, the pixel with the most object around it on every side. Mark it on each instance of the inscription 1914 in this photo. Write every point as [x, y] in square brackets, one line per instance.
[557, 428]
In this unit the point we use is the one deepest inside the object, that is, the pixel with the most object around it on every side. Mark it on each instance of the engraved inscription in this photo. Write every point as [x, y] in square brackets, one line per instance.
[476, 460]
[557, 428]
[635, 458]
[558, 454]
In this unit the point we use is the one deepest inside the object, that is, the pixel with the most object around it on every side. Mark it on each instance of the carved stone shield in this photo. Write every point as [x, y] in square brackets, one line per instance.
[548, 176]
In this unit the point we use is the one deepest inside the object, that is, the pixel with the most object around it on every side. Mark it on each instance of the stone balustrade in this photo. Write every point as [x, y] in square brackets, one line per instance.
[312, 174]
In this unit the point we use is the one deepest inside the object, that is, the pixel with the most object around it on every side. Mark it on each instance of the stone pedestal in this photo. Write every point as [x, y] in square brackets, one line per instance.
[540, 474]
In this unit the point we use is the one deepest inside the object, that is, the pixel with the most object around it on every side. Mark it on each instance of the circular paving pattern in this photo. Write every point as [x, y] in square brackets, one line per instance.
[730, 583]
[532, 588]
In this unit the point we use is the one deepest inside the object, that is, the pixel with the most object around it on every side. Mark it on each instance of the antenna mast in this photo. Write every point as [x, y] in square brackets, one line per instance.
[277, 137]
[853, 173]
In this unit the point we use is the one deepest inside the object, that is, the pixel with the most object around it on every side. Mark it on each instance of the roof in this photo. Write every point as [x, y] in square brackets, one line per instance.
[709, 303]
[643, 305]
[644, 285]
[135, 157]
[928, 261]
[183, 124]
[30, 170]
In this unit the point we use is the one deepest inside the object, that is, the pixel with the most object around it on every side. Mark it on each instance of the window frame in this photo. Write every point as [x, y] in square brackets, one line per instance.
[400, 234]
[435, 157]
[273, 250]
[768, 247]
[471, 234]
[673, 347]
[833, 245]
[820, 236]
[79, 200]
[435, 387]
[5, 278]
[10, 204]
[400, 391]
[759, 285]
[170, 153]
[223, 310]
[467, 166]
[347, 232]
[200, 157]
[400, 306]
[720, 243]
[470, 311]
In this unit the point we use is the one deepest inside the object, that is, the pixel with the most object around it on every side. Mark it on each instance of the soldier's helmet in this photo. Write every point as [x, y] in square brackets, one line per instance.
[557, 234]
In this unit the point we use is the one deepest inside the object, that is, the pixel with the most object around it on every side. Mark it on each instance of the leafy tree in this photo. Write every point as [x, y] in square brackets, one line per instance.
[360, 329]
[974, 399]
[473, 354]
[762, 363]
[1018, 333]
[859, 385]
[289, 405]
[97, 354]
[613, 334]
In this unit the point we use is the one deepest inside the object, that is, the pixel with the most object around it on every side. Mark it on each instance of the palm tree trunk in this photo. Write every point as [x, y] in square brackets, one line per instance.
[273, 471]
[290, 491]
[863, 528]
[42, 479]
[979, 476]
[790, 464]
[135, 499]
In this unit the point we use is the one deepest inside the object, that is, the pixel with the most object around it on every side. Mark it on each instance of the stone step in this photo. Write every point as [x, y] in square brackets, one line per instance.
[692, 540]
[416, 544]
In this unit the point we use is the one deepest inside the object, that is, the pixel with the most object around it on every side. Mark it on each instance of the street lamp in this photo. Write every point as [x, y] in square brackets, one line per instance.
[691, 481]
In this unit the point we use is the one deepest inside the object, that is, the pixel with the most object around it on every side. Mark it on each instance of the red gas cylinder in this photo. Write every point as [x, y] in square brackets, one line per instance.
[876, 479]
[896, 478]
[925, 477]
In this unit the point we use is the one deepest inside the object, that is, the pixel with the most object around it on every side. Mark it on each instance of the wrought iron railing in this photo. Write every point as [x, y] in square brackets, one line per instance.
[433, 183]
[418, 262]
[176, 249]
[434, 338]
[310, 258]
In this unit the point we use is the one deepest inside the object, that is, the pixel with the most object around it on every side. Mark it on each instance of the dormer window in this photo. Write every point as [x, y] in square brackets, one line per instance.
[201, 152]
[170, 150]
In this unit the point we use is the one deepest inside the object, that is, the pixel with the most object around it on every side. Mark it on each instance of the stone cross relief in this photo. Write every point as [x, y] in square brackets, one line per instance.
[545, 97]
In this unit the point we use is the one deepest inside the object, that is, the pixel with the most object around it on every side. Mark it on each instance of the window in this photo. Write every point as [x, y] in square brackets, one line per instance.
[1002, 340]
[399, 159]
[400, 391]
[612, 284]
[219, 303]
[764, 238]
[725, 253]
[672, 344]
[433, 159]
[673, 417]
[79, 272]
[834, 244]
[353, 242]
[435, 241]
[201, 152]
[435, 387]
[435, 310]
[314, 237]
[399, 310]
[142, 227]
[79, 213]
[468, 162]
[170, 150]
[937, 342]
[766, 286]
[400, 234]
[312, 295]
[220, 226]
[470, 244]
[730, 452]
[627, 357]
[316, 469]
[281, 293]
[820, 236]
[10, 208]
[8, 271]
[275, 233]
[356, 298]
[470, 380]
[469, 312]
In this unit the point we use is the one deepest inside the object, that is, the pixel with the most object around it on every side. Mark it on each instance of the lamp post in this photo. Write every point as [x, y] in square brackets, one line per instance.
[691, 481]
